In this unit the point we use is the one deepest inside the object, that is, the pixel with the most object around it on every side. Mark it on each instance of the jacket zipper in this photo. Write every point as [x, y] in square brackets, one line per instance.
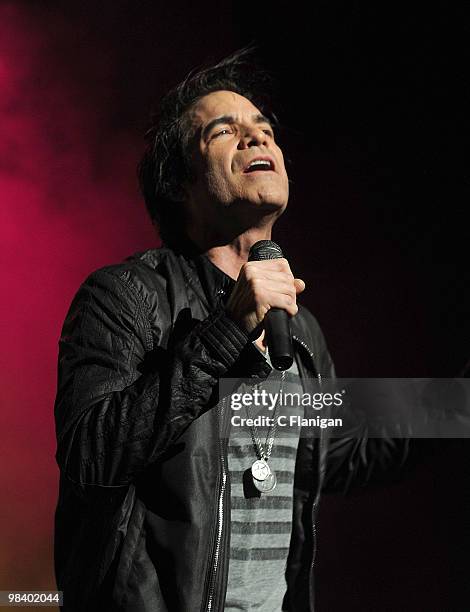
[307, 348]
[220, 516]
[220, 507]
[315, 502]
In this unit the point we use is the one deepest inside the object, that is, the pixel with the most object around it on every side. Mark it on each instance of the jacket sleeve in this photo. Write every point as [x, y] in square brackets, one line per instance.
[353, 459]
[122, 402]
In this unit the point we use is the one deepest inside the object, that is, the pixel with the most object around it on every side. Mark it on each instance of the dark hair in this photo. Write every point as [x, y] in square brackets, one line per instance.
[165, 165]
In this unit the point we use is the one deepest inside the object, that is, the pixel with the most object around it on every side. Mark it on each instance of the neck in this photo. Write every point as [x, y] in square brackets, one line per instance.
[230, 257]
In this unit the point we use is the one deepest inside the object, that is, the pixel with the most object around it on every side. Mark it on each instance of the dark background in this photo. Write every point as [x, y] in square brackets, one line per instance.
[374, 103]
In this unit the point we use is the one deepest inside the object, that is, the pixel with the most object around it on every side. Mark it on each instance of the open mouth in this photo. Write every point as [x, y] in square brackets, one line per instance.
[260, 164]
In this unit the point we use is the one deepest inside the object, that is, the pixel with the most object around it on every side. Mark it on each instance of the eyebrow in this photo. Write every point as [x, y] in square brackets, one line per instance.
[228, 119]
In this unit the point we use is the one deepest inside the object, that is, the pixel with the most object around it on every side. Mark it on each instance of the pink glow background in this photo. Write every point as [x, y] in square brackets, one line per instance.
[72, 74]
[58, 159]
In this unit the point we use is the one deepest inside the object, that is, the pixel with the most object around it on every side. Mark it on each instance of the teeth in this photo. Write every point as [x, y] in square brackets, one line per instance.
[260, 162]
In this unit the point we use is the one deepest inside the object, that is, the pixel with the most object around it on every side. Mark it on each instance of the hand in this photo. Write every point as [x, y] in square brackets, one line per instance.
[262, 285]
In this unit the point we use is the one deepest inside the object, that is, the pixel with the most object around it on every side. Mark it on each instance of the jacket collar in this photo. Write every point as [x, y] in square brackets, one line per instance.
[215, 284]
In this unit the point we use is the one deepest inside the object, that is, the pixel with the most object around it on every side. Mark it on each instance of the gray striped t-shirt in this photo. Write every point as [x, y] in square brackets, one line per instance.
[261, 526]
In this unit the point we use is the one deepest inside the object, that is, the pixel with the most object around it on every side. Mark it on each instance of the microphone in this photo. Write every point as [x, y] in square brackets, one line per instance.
[276, 321]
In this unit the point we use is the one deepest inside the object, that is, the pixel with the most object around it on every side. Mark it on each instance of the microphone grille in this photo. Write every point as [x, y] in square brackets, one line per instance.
[265, 249]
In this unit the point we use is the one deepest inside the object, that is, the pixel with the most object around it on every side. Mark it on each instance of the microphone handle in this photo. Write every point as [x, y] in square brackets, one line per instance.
[279, 338]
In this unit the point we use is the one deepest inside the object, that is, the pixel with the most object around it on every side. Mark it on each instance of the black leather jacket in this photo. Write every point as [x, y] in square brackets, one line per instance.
[142, 521]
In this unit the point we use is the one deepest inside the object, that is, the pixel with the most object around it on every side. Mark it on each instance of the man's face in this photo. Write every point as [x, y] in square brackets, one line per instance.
[235, 158]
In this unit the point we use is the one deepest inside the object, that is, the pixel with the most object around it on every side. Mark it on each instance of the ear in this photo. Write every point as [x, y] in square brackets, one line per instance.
[185, 192]
[180, 193]
[179, 196]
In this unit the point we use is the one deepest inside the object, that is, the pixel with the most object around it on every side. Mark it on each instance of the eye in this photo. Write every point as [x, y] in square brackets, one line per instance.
[269, 132]
[222, 132]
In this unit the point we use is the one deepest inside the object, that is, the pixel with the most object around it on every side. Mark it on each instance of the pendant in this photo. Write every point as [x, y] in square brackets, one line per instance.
[260, 470]
[266, 485]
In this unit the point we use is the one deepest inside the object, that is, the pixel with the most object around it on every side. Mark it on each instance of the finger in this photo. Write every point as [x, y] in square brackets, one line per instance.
[299, 285]
[285, 302]
[274, 276]
[280, 286]
[280, 265]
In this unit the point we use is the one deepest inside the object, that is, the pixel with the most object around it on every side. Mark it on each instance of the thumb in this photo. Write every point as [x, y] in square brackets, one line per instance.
[299, 285]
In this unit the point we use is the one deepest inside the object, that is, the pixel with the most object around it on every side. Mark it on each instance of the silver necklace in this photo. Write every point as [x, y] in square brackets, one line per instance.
[264, 479]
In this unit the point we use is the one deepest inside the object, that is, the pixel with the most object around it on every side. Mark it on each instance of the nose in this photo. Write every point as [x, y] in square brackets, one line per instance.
[252, 137]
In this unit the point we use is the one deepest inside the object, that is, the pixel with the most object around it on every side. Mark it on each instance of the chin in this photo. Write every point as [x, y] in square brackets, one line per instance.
[271, 200]
[267, 194]
[269, 209]
[266, 200]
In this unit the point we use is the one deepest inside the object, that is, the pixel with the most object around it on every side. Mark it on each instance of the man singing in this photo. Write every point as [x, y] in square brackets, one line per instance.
[152, 514]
